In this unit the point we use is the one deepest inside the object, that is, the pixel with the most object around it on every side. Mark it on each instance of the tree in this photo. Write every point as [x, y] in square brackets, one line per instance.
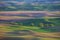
[46, 18]
[21, 24]
[41, 24]
[52, 25]
[32, 24]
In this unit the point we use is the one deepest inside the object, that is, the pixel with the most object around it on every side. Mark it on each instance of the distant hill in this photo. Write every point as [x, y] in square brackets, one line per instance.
[36, 5]
[42, 1]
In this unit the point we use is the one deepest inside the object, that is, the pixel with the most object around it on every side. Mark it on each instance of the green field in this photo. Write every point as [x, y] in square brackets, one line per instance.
[46, 29]
[39, 25]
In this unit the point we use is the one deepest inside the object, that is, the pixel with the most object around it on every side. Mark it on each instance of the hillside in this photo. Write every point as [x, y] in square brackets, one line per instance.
[31, 5]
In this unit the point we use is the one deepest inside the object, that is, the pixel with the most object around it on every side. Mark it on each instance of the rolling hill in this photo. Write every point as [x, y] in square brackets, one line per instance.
[34, 5]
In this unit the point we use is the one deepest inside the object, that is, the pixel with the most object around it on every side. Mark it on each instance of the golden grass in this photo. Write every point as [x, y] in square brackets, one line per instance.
[49, 39]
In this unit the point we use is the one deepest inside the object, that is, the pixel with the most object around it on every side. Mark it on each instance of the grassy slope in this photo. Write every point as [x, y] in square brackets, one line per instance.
[26, 25]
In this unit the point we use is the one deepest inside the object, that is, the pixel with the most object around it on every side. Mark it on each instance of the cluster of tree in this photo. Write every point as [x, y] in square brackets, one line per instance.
[51, 25]
[35, 22]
